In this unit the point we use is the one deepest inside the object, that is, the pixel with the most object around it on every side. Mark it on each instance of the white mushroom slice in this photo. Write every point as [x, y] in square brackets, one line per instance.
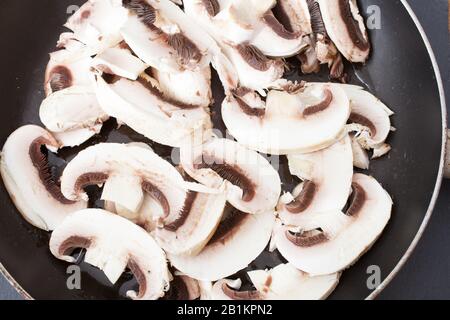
[327, 176]
[27, 177]
[97, 23]
[315, 116]
[127, 171]
[158, 33]
[252, 22]
[119, 61]
[332, 241]
[71, 108]
[370, 115]
[296, 17]
[188, 232]
[346, 28]
[325, 50]
[140, 103]
[252, 184]
[68, 67]
[113, 244]
[76, 137]
[252, 68]
[190, 87]
[283, 282]
[225, 253]
[360, 156]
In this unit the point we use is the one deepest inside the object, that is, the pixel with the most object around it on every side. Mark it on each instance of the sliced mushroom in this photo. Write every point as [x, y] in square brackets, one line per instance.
[68, 67]
[159, 34]
[315, 116]
[346, 28]
[97, 23]
[253, 69]
[332, 241]
[325, 49]
[188, 232]
[113, 244]
[226, 254]
[252, 22]
[252, 185]
[327, 176]
[369, 118]
[231, 290]
[29, 181]
[189, 87]
[139, 103]
[127, 171]
[71, 110]
[120, 61]
[360, 156]
[283, 282]
[297, 18]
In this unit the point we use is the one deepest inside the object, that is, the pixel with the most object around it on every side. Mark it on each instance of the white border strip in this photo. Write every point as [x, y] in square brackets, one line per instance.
[437, 188]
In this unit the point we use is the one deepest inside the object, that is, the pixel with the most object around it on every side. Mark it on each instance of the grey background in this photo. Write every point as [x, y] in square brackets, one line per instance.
[427, 273]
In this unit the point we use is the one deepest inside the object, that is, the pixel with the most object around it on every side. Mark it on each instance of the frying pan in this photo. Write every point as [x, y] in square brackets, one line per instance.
[402, 72]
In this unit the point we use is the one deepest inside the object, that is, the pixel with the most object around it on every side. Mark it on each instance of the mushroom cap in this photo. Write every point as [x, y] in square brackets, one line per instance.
[346, 28]
[112, 244]
[225, 254]
[330, 171]
[133, 103]
[305, 115]
[345, 237]
[28, 180]
[252, 184]
[126, 170]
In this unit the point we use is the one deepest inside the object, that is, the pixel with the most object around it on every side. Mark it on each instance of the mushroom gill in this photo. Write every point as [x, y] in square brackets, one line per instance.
[40, 162]
[307, 239]
[356, 200]
[212, 7]
[60, 77]
[321, 106]
[304, 199]
[254, 57]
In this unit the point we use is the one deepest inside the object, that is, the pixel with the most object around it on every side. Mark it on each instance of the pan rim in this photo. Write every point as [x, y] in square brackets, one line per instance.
[440, 176]
[400, 264]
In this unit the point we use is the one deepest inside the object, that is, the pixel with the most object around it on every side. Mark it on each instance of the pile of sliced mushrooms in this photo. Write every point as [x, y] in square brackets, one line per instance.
[194, 226]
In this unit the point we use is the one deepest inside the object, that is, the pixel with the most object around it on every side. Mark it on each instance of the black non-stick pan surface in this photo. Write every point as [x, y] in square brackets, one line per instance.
[400, 72]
